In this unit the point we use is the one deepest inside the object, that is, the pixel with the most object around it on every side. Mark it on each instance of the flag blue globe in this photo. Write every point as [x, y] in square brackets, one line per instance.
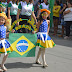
[22, 46]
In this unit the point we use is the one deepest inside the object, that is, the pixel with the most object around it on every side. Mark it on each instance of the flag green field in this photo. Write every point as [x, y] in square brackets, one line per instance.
[24, 44]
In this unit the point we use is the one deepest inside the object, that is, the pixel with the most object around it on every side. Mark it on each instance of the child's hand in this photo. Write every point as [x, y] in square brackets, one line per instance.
[9, 17]
[13, 31]
[5, 27]
[17, 24]
[33, 32]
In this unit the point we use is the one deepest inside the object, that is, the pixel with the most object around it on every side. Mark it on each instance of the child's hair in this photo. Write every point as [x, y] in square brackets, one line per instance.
[40, 17]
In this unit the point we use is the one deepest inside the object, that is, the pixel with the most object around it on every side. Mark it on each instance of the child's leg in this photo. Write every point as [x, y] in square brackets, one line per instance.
[3, 61]
[37, 59]
[43, 58]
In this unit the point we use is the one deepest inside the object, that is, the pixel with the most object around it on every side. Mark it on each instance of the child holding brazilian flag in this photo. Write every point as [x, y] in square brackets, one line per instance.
[43, 38]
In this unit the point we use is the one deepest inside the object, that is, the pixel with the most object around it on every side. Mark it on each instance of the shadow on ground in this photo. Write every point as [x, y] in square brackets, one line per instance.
[20, 65]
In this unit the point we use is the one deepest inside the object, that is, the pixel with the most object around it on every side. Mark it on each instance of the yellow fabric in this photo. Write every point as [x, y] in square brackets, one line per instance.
[3, 15]
[8, 49]
[47, 44]
[8, 24]
[56, 11]
[31, 45]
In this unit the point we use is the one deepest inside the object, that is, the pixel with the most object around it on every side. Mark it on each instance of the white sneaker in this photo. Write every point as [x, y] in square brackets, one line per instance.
[66, 37]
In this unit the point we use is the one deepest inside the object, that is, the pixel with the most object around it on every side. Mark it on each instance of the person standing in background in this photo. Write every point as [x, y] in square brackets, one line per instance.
[12, 9]
[68, 19]
[44, 5]
[62, 19]
[25, 10]
[56, 12]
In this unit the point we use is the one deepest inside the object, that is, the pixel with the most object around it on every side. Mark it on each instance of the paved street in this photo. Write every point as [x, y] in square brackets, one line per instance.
[58, 58]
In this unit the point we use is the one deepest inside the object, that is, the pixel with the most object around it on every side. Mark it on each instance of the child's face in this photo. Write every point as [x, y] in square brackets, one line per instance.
[45, 15]
[2, 20]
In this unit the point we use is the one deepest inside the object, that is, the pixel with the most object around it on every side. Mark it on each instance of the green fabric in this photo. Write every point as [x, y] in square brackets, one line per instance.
[33, 8]
[12, 11]
[9, 5]
[19, 6]
[30, 53]
[4, 6]
[7, 52]
[54, 45]
[38, 44]
[40, 6]
[0, 3]
[31, 37]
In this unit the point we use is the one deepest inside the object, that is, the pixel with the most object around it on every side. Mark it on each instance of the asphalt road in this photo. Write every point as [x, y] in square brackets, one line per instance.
[58, 58]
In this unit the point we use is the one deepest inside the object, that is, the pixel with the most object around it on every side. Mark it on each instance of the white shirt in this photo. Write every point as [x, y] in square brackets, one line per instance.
[68, 16]
[44, 6]
[26, 9]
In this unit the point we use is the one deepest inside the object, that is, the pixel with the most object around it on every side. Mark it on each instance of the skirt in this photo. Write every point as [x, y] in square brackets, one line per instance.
[44, 40]
[5, 47]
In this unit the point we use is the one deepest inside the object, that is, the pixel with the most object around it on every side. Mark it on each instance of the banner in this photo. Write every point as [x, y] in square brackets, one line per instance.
[24, 44]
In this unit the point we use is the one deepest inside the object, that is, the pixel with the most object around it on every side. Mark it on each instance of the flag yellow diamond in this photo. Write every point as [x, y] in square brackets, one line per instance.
[22, 45]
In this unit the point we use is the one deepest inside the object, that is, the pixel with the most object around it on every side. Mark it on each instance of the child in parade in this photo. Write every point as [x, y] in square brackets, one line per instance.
[43, 38]
[5, 46]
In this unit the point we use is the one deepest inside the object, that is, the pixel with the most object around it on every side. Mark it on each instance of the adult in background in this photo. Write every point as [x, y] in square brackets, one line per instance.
[44, 5]
[12, 10]
[62, 19]
[68, 19]
[25, 10]
[56, 12]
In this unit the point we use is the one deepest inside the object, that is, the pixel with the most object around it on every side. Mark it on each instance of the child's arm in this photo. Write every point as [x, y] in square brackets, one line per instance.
[38, 24]
[48, 21]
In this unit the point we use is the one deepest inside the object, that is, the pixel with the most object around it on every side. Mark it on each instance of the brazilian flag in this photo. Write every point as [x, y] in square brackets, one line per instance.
[24, 44]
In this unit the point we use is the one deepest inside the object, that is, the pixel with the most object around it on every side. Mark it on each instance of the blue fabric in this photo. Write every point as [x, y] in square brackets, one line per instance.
[2, 31]
[44, 35]
[43, 27]
[7, 44]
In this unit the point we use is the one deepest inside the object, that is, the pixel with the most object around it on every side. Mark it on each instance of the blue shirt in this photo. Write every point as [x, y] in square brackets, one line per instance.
[44, 26]
[2, 31]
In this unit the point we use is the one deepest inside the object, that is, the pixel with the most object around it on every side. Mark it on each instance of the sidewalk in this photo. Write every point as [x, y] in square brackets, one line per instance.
[59, 30]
